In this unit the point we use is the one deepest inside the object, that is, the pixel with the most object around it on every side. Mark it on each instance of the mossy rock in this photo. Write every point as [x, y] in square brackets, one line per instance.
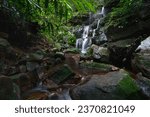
[118, 85]
[62, 74]
[127, 88]
[72, 50]
[98, 66]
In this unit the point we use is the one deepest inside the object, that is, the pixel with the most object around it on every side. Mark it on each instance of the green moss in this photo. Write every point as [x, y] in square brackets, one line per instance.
[72, 50]
[99, 66]
[127, 88]
[62, 75]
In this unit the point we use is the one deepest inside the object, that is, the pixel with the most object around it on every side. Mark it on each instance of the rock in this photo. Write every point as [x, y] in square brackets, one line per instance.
[137, 24]
[98, 66]
[60, 55]
[50, 84]
[32, 66]
[61, 75]
[22, 68]
[72, 50]
[25, 81]
[9, 70]
[60, 95]
[8, 90]
[37, 96]
[120, 52]
[141, 63]
[4, 35]
[100, 53]
[78, 32]
[4, 43]
[5, 47]
[36, 56]
[114, 85]
[144, 85]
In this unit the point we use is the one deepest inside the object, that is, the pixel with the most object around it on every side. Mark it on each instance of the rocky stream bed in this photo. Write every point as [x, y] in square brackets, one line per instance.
[48, 74]
[108, 63]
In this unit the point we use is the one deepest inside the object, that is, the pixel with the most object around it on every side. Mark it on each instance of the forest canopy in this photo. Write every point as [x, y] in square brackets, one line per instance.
[50, 14]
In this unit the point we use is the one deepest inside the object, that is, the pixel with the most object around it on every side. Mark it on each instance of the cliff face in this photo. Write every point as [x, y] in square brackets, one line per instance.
[138, 23]
[124, 39]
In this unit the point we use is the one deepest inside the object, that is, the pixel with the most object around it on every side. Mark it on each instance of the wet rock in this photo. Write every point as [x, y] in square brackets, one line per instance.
[98, 66]
[37, 56]
[120, 52]
[60, 55]
[141, 63]
[5, 47]
[100, 53]
[114, 85]
[72, 50]
[144, 84]
[32, 66]
[37, 96]
[8, 90]
[61, 75]
[9, 70]
[49, 84]
[25, 81]
[22, 68]
[63, 94]
[38, 93]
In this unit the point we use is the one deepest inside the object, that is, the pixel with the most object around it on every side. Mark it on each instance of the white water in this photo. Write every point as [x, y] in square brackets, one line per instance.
[145, 45]
[103, 11]
[85, 39]
[79, 43]
[93, 35]
[84, 42]
[85, 32]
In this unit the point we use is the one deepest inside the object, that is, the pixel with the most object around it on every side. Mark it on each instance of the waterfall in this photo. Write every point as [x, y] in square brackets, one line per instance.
[103, 11]
[94, 31]
[145, 45]
[85, 32]
[85, 41]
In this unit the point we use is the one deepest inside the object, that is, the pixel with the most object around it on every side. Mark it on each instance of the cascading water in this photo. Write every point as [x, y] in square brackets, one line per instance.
[85, 41]
[94, 31]
[103, 11]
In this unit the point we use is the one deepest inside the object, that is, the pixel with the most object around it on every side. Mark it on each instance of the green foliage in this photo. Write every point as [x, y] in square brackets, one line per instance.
[50, 14]
[122, 12]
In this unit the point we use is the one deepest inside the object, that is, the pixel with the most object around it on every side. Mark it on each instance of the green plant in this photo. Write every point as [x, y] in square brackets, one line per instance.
[120, 14]
[50, 14]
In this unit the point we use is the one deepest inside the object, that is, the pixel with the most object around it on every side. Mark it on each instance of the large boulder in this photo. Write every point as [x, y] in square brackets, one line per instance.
[8, 90]
[100, 67]
[114, 85]
[5, 46]
[141, 63]
[144, 85]
[100, 53]
[120, 52]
